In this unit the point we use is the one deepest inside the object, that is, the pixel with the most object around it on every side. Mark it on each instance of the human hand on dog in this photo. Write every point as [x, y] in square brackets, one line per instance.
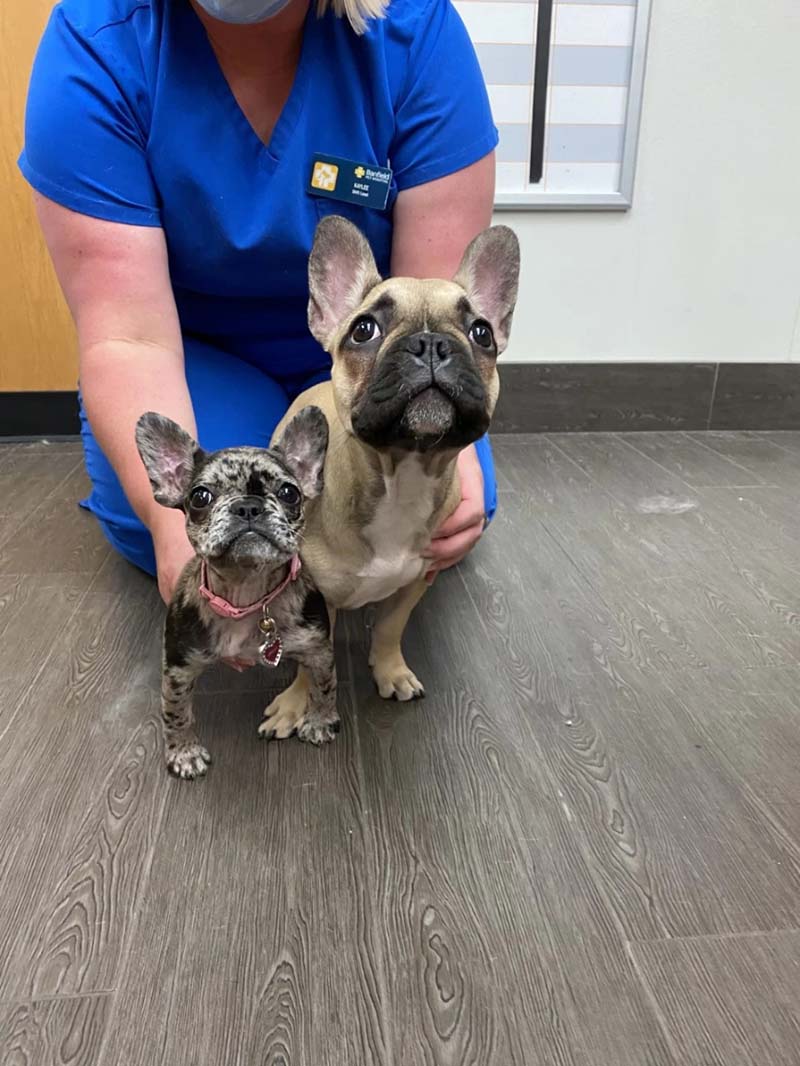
[172, 548]
[463, 529]
[173, 552]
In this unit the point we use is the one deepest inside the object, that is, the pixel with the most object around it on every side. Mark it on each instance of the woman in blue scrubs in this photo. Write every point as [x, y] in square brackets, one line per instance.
[170, 144]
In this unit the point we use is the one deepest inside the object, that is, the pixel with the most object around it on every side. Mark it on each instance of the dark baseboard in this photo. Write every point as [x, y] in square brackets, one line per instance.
[557, 397]
[39, 414]
[581, 397]
[757, 396]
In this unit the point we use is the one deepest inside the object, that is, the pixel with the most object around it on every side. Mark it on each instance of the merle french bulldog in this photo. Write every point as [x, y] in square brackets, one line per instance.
[244, 595]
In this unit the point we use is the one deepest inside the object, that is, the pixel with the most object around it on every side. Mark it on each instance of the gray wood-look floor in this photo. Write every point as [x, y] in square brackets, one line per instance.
[582, 849]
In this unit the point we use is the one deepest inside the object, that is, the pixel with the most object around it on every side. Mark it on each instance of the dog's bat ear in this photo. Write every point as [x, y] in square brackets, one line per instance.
[169, 455]
[341, 271]
[303, 447]
[489, 273]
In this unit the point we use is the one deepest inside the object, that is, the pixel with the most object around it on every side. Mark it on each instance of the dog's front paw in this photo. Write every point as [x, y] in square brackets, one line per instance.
[395, 681]
[285, 714]
[188, 762]
[317, 732]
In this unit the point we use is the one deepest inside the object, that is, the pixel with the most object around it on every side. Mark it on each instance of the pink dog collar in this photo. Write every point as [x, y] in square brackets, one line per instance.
[224, 609]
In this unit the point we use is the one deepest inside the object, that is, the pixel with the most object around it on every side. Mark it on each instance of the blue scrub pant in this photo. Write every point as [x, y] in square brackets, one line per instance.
[235, 403]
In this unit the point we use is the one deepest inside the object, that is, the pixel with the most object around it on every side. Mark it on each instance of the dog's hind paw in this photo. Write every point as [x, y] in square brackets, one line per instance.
[188, 762]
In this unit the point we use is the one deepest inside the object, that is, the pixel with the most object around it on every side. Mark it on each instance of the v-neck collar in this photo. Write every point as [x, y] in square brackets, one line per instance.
[270, 152]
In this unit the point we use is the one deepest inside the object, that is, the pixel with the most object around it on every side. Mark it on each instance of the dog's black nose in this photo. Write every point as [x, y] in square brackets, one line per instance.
[431, 348]
[247, 507]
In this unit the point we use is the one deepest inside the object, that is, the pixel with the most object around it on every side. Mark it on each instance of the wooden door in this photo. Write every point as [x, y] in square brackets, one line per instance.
[37, 339]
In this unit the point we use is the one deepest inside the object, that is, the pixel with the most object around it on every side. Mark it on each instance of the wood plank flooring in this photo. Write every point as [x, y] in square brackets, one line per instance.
[582, 849]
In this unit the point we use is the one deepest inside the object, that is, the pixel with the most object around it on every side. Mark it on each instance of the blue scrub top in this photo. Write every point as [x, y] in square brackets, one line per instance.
[130, 119]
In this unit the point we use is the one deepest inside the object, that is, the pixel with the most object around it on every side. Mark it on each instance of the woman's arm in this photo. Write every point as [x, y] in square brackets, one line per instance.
[116, 281]
[433, 224]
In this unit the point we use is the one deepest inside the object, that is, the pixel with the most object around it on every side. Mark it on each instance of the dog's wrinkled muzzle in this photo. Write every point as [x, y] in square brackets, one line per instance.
[246, 532]
[424, 393]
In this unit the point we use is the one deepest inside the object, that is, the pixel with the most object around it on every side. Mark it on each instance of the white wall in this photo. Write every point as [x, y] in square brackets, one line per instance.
[705, 265]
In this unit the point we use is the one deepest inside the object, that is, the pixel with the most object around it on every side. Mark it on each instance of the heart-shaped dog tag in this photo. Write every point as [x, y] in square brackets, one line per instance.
[271, 651]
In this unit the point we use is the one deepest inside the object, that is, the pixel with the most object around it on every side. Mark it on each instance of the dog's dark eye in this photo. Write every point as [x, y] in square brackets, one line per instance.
[200, 498]
[289, 494]
[481, 334]
[365, 329]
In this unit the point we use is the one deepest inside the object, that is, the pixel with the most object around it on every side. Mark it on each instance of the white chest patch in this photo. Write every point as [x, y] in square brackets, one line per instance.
[239, 637]
[394, 534]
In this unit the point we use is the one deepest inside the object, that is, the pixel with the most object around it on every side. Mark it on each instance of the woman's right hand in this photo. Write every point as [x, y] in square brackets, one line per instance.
[173, 552]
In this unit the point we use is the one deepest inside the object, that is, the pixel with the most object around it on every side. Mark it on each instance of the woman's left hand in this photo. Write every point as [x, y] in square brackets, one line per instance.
[463, 529]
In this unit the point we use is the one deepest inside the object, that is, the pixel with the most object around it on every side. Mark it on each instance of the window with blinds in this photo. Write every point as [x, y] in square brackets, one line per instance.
[565, 82]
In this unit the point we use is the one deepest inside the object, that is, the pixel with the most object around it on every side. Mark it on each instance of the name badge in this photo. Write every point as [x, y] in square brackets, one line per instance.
[350, 182]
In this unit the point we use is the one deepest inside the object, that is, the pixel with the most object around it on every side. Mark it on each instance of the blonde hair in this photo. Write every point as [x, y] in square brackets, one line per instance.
[357, 12]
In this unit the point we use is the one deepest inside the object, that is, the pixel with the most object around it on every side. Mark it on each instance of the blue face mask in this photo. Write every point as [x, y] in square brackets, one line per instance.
[243, 12]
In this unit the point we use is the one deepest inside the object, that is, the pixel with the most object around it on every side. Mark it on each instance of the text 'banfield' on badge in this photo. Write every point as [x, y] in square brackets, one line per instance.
[350, 181]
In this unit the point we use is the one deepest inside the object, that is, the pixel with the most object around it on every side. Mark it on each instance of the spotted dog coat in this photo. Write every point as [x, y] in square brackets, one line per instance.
[245, 518]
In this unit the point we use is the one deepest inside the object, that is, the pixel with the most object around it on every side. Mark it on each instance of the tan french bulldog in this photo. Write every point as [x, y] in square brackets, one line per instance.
[414, 381]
